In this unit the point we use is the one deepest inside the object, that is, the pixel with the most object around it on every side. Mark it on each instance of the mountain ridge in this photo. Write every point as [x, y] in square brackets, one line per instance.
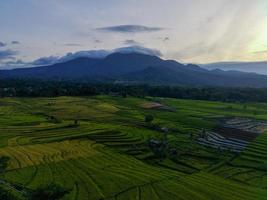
[259, 67]
[138, 68]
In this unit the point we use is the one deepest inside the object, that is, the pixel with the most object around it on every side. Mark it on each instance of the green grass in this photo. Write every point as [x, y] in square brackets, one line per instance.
[107, 157]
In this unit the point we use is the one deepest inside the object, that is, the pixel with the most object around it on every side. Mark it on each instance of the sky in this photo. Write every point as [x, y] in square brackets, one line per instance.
[189, 31]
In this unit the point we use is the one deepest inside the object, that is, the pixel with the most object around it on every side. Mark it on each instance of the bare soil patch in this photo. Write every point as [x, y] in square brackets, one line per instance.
[155, 105]
[152, 105]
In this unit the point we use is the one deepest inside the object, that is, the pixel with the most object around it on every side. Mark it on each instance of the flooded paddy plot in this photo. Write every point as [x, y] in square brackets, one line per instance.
[215, 140]
[233, 134]
[244, 124]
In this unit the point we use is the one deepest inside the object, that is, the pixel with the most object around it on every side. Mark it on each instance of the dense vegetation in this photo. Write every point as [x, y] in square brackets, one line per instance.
[37, 88]
[106, 147]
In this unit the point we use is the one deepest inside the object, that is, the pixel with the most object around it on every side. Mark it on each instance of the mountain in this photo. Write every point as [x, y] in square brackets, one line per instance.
[138, 68]
[70, 69]
[254, 67]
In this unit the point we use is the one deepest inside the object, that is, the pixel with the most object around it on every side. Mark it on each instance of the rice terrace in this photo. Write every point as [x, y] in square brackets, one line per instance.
[106, 147]
[133, 100]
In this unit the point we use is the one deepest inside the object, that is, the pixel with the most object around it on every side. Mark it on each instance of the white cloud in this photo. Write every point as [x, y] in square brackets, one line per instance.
[89, 54]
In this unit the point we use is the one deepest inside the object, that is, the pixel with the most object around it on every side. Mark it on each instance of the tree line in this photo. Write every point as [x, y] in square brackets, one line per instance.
[38, 88]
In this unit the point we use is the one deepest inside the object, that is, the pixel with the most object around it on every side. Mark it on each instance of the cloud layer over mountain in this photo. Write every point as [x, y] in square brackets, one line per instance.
[70, 56]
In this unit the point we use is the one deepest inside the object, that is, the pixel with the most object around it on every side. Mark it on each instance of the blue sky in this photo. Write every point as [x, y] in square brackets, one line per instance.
[198, 31]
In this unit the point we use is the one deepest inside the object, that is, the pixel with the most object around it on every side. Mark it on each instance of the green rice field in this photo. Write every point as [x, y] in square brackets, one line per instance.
[98, 148]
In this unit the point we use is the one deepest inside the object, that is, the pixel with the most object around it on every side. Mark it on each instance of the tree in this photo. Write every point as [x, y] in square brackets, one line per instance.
[76, 122]
[51, 192]
[3, 163]
[7, 194]
[54, 120]
[149, 118]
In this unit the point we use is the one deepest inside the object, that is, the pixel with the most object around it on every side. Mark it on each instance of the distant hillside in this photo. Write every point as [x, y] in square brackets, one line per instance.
[138, 68]
[256, 67]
